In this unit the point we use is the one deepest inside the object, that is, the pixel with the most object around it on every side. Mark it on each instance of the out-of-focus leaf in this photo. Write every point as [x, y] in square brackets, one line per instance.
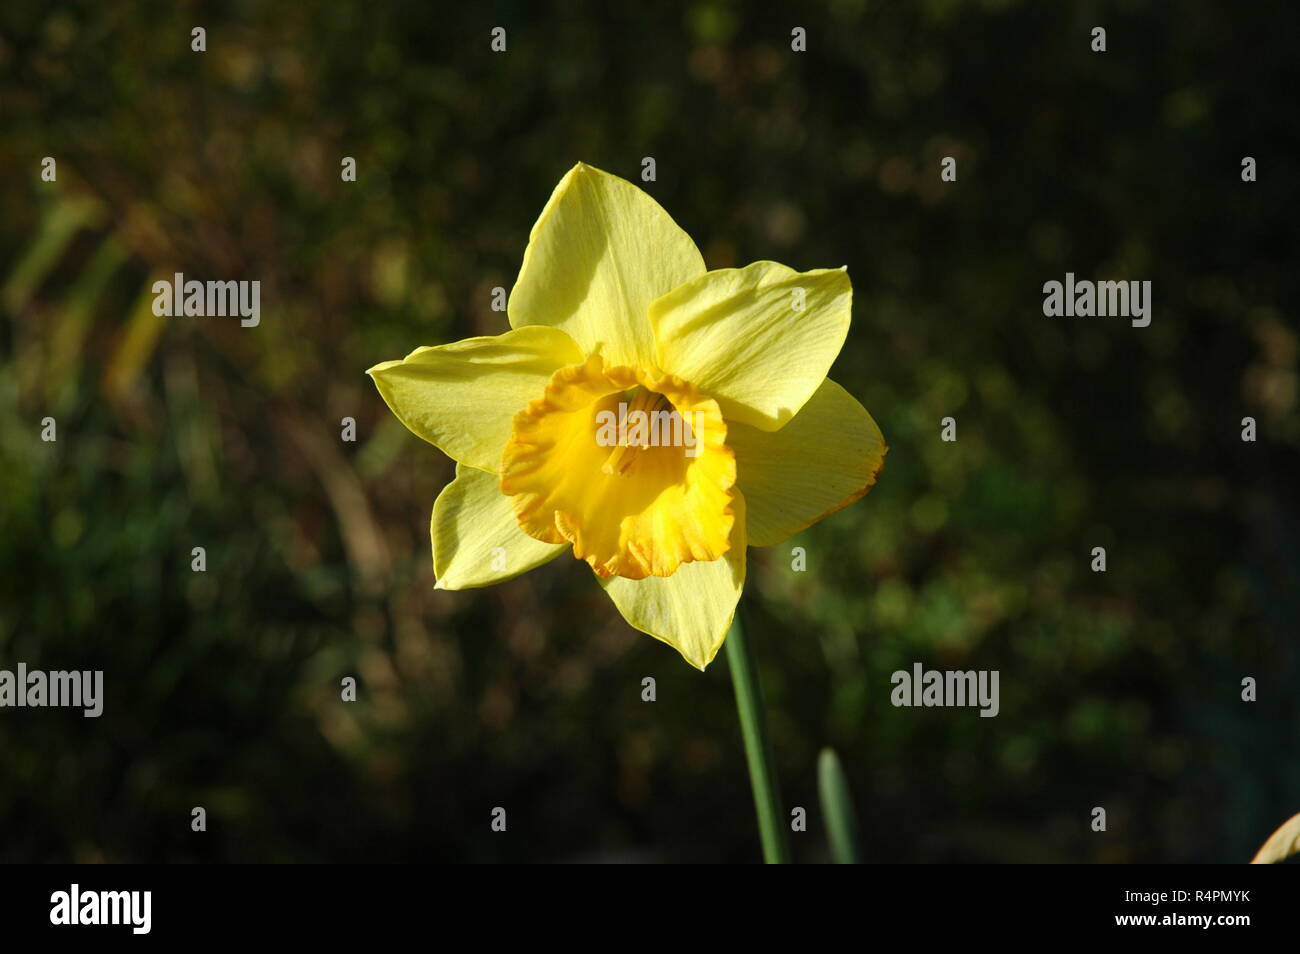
[64, 219]
[837, 808]
[68, 337]
[136, 345]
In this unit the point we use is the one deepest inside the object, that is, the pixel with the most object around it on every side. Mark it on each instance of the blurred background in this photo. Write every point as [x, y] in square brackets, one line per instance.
[1119, 690]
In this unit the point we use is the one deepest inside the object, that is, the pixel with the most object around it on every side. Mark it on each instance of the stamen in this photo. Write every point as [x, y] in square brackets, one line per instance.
[623, 456]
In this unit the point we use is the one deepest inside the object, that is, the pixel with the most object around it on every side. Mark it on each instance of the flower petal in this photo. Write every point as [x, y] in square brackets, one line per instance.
[692, 609]
[476, 539]
[461, 397]
[759, 339]
[601, 251]
[827, 457]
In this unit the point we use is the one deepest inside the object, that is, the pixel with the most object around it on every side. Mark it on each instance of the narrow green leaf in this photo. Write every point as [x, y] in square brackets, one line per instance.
[59, 227]
[837, 809]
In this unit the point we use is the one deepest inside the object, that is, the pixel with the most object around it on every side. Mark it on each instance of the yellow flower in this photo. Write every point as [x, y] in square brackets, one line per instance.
[615, 316]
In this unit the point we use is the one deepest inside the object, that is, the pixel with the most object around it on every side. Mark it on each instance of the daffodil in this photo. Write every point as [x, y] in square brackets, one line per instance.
[614, 313]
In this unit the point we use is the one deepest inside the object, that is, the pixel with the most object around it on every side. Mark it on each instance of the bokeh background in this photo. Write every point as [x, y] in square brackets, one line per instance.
[1119, 690]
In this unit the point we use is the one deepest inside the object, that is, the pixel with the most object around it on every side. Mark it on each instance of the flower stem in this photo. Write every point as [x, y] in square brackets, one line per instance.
[758, 747]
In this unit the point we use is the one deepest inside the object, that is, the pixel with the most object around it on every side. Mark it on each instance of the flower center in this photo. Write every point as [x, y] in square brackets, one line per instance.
[628, 464]
[648, 420]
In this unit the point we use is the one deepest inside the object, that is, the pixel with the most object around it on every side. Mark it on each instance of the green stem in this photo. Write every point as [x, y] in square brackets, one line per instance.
[758, 747]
